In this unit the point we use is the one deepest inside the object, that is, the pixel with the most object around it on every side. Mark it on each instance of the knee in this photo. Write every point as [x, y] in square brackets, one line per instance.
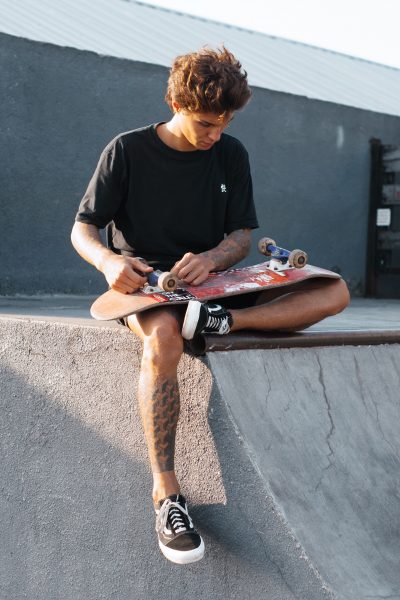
[163, 345]
[339, 296]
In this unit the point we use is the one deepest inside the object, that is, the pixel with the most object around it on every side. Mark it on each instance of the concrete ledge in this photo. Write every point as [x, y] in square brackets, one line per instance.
[289, 457]
[75, 509]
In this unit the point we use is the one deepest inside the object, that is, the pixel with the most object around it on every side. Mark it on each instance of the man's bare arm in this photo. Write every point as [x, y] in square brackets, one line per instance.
[231, 250]
[87, 242]
[195, 268]
[121, 272]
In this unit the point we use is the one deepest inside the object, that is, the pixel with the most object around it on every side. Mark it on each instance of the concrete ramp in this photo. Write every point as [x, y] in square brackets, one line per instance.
[76, 514]
[290, 459]
[321, 425]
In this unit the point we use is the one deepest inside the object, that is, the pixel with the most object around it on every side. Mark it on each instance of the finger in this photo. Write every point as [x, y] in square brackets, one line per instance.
[201, 279]
[130, 279]
[194, 274]
[123, 288]
[140, 265]
[133, 282]
[133, 276]
[194, 266]
[183, 274]
[185, 260]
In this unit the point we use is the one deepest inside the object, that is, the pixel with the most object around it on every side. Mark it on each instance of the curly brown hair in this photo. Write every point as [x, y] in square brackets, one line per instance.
[208, 81]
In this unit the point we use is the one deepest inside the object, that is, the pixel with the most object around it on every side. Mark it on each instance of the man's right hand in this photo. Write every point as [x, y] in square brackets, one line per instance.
[123, 273]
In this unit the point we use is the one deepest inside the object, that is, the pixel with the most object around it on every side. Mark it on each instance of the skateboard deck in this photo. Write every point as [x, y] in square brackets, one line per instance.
[233, 282]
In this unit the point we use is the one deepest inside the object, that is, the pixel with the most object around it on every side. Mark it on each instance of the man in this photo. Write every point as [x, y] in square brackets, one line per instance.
[179, 194]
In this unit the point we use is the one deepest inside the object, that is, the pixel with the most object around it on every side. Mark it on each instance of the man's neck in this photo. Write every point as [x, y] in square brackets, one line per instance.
[170, 133]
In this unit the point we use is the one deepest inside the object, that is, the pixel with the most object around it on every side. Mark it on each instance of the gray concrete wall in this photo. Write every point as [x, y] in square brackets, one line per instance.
[310, 162]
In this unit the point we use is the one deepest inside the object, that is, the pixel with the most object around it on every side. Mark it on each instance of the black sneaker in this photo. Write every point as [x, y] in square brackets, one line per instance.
[205, 318]
[177, 538]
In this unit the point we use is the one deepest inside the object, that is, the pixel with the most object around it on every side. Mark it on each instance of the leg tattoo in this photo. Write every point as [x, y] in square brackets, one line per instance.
[160, 412]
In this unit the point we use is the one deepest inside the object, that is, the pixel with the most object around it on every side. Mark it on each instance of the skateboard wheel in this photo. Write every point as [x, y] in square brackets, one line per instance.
[297, 259]
[168, 282]
[263, 245]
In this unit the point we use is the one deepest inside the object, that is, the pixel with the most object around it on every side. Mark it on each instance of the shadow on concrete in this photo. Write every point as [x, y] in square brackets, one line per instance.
[321, 427]
[75, 509]
[250, 527]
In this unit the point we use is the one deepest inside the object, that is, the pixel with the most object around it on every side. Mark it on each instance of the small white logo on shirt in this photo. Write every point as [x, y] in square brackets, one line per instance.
[223, 187]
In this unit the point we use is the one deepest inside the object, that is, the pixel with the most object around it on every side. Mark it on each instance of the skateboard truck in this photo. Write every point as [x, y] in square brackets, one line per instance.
[159, 281]
[281, 259]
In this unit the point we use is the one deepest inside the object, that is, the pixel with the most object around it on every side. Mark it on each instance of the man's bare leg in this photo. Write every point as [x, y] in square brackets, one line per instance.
[291, 308]
[305, 305]
[159, 407]
[158, 392]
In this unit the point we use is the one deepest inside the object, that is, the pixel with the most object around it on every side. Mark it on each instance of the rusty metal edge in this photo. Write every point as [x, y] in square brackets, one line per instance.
[263, 341]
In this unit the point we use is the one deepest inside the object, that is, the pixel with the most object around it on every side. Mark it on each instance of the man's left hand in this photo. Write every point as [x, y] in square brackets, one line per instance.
[193, 268]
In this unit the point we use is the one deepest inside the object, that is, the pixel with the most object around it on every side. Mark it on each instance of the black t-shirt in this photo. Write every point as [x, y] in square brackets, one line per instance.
[162, 202]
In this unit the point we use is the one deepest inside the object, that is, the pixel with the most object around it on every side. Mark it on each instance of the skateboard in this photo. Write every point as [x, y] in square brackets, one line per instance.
[283, 269]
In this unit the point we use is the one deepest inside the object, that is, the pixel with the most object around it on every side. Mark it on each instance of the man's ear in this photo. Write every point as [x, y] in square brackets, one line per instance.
[176, 106]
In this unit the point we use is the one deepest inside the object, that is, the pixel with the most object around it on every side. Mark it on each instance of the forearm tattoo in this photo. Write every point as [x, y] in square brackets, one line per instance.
[231, 250]
[160, 412]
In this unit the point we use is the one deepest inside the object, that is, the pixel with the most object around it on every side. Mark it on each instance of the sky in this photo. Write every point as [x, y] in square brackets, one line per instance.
[367, 29]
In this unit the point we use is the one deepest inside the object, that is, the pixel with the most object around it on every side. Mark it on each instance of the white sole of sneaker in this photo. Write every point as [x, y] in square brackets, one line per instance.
[191, 319]
[183, 558]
